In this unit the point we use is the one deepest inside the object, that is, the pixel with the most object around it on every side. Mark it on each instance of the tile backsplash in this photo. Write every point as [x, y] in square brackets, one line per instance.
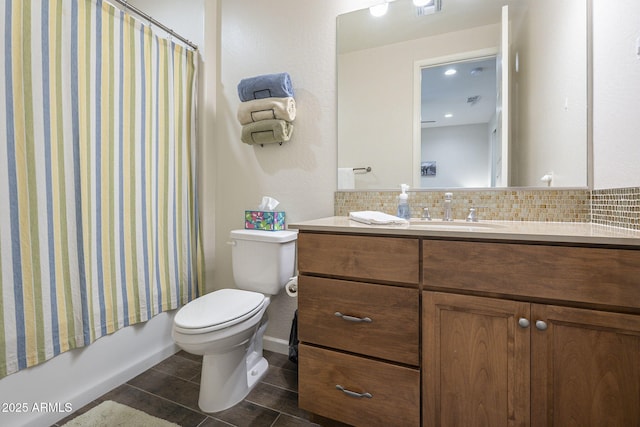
[612, 207]
[617, 207]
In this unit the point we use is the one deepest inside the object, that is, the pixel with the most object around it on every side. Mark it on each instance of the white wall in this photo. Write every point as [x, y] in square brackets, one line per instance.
[616, 87]
[461, 153]
[380, 84]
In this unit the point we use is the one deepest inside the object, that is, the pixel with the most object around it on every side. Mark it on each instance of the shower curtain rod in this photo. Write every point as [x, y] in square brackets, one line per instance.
[147, 17]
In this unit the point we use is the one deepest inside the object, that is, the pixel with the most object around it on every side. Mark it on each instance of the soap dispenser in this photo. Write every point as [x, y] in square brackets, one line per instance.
[403, 203]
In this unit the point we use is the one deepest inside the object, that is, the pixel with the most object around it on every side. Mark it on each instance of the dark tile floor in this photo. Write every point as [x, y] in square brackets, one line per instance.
[169, 391]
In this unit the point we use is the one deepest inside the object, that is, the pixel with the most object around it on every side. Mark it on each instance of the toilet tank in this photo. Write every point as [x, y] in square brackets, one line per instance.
[263, 261]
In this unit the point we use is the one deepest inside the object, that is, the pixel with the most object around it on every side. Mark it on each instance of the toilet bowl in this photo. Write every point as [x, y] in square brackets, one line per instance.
[230, 368]
[226, 326]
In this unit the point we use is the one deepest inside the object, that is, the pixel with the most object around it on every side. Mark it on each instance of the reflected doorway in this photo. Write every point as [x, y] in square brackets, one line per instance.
[459, 123]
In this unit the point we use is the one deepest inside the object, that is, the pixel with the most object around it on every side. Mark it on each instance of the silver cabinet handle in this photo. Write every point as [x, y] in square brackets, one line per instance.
[352, 318]
[523, 322]
[541, 325]
[353, 393]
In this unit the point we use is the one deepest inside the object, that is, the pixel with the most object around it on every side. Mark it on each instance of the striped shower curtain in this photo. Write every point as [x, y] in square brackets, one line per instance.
[99, 226]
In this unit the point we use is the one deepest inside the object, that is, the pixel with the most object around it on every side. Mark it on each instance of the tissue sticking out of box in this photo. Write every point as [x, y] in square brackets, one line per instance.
[268, 204]
[265, 218]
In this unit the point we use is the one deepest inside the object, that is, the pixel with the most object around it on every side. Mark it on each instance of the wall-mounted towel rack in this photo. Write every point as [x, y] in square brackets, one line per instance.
[363, 170]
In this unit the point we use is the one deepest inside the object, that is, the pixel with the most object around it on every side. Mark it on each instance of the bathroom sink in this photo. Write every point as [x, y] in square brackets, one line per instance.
[452, 225]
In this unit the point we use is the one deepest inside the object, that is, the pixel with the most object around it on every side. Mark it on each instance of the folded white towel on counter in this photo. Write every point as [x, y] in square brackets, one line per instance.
[376, 218]
[267, 108]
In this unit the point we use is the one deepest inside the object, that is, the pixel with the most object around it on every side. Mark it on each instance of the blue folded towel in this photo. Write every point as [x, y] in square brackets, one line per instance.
[265, 86]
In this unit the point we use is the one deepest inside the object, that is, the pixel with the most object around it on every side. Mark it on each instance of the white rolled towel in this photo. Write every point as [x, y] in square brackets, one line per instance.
[266, 109]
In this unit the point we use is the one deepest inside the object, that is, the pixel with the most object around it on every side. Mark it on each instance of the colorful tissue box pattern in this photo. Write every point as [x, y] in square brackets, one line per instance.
[264, 220]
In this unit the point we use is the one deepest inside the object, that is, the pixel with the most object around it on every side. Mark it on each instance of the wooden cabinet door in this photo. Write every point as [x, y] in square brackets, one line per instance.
[585, 367]
[476, 361]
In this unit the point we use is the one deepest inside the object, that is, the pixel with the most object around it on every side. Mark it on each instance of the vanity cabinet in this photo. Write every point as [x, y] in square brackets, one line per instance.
[451, 331]
[519, 334]
[359, 328]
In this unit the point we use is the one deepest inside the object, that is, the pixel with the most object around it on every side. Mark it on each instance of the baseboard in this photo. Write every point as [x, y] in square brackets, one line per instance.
[276, 345]
[124, 375]
[95, 386]
[98, 389]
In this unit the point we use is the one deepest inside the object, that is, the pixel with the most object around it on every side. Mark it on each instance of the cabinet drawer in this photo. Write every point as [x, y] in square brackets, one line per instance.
[387, 259]
[392, 332]
[394, 390]
[603, 276]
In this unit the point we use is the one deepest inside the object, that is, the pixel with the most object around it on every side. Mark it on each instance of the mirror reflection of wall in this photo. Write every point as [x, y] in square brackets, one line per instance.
[378, 116]
[549, 94]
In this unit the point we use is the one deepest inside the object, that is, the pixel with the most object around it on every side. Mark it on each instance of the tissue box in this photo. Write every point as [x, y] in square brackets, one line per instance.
[264, 220]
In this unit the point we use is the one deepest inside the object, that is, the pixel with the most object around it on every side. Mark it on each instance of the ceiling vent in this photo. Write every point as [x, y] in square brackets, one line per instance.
[431, 8]
[473, 100]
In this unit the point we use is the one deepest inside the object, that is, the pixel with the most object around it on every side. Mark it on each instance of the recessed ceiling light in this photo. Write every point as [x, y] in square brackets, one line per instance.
[450, 72]
[448, 115]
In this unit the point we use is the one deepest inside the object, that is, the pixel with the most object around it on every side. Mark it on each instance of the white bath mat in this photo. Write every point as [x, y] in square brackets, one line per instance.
[113, 414]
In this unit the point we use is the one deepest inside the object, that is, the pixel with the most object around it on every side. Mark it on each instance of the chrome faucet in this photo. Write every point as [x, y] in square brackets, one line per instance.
[448, 215]
[473, 216]
[425, 214]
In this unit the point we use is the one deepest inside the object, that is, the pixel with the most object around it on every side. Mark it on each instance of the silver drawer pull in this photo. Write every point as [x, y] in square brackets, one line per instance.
[352, 318]
[353, 393]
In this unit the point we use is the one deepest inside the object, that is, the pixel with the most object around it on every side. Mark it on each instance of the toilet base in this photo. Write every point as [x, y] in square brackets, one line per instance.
[225, 383]
[256, 370]
[228, 378]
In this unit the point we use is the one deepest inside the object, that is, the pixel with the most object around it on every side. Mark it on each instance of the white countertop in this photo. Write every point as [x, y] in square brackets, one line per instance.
[550, 232]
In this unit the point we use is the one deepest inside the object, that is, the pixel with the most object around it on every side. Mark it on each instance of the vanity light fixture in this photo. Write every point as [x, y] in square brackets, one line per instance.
[379, 9]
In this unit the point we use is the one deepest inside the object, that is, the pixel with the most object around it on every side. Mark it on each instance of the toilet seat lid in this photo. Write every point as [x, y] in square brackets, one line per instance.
[222, 308]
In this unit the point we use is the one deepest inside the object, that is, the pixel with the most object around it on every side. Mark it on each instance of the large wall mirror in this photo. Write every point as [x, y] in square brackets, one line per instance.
[483, 93]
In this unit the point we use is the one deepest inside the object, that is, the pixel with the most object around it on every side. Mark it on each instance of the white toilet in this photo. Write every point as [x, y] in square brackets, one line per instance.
[227, 326]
